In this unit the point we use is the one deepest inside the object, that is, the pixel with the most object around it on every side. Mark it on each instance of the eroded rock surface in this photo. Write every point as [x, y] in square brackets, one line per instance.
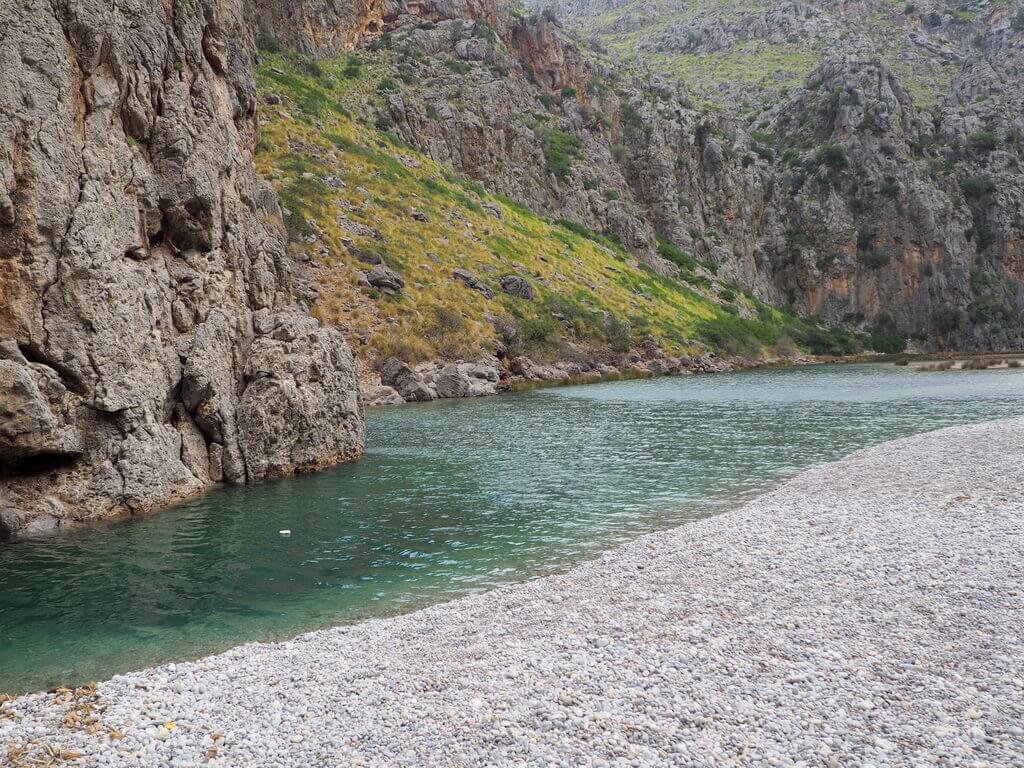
[151, 341]
[844, 190]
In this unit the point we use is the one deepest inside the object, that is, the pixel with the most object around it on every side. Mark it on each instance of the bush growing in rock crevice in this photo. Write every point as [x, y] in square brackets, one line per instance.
[561, 150]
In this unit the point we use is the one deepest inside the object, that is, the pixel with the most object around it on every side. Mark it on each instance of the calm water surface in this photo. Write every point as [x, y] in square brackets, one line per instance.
[451, 497]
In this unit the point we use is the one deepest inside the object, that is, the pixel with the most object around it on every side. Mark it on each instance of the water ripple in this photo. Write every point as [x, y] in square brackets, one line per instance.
[451, 497]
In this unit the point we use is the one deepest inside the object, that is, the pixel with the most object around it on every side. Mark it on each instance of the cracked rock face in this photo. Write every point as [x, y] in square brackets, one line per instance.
[151, 345]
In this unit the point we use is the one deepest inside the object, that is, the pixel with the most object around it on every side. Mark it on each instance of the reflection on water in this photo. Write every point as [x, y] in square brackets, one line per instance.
[451, 497]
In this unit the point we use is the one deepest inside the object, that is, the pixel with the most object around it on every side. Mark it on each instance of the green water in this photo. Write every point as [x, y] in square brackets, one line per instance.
[451, 497]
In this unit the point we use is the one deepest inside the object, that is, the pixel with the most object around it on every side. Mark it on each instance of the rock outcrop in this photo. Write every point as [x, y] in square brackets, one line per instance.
[319, 26]
[837, 192]
[152, 344]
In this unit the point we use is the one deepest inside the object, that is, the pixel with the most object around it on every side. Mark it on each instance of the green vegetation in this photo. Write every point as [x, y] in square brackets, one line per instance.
[832, 156]
[978, 187]
[561, 149]
[630, 116]
[770, 66]
[348, 188]
[266, 41]
[982, 141]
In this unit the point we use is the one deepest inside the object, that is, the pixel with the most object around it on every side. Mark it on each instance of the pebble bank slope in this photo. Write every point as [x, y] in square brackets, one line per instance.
[869, 611]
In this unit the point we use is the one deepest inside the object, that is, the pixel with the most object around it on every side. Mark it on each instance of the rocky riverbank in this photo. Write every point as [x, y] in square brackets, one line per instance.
[865, 612]
[400, 382]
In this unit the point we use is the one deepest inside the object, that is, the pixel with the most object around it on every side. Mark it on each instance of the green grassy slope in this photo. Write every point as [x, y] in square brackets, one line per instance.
[347, 186]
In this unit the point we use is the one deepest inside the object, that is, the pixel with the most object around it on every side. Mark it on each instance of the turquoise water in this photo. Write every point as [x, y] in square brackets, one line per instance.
[451, 497]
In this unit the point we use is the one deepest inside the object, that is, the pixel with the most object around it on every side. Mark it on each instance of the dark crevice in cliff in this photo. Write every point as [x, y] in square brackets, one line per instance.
[35, 354]
[37, 465]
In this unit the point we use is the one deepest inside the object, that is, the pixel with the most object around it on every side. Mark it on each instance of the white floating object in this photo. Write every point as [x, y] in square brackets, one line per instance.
[285, 532]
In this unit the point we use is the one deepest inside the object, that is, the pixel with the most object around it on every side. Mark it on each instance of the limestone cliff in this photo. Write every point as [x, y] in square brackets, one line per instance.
[151, 343]
[873, 150]
[872, 177]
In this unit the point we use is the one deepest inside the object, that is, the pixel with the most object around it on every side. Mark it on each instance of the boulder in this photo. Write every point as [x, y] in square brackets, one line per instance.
[300, 410]
[661, 366]
[482, 371]
[10, 524]
[451, 382]
[382, 395]
[367, 257]
[472, 281]
[408, 382]
[514, 285]
[385, 278]
[528, 369]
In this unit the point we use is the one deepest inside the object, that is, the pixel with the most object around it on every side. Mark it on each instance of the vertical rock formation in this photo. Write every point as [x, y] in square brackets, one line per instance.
[319, 26]
[151, 344]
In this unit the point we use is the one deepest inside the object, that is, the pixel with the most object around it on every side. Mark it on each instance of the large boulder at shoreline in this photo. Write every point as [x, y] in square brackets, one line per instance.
[405, 380]
[300, 410]
[382, 395]
[452, 382]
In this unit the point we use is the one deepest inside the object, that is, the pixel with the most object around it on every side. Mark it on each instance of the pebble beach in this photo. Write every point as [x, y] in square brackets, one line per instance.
[868, 612]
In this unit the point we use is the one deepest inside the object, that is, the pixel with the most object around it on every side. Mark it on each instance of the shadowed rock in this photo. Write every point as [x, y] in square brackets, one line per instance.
[385, 278]
[408, 382]
[517, 286]
[472, 281]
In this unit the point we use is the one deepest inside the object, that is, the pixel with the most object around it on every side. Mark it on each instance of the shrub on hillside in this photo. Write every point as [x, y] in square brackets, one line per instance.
[832, 156]
[982, 141]
[630, 116]
[675, 254]
[618, 334]
[535, 330]
[561, 149]
[978, 187]
[267, 41]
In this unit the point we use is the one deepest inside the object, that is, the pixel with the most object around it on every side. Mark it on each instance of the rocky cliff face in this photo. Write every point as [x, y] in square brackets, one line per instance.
[875, 189]
[872, 152]
[151, 345]
[319, 26]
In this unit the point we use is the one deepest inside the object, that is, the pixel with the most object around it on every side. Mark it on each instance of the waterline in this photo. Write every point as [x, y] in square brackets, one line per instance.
[452, 497]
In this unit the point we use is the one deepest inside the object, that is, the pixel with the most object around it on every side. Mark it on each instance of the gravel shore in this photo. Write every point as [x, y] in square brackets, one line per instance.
[867, 612]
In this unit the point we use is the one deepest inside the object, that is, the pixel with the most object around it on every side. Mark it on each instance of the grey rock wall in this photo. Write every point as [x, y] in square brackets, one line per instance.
[151, 345]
